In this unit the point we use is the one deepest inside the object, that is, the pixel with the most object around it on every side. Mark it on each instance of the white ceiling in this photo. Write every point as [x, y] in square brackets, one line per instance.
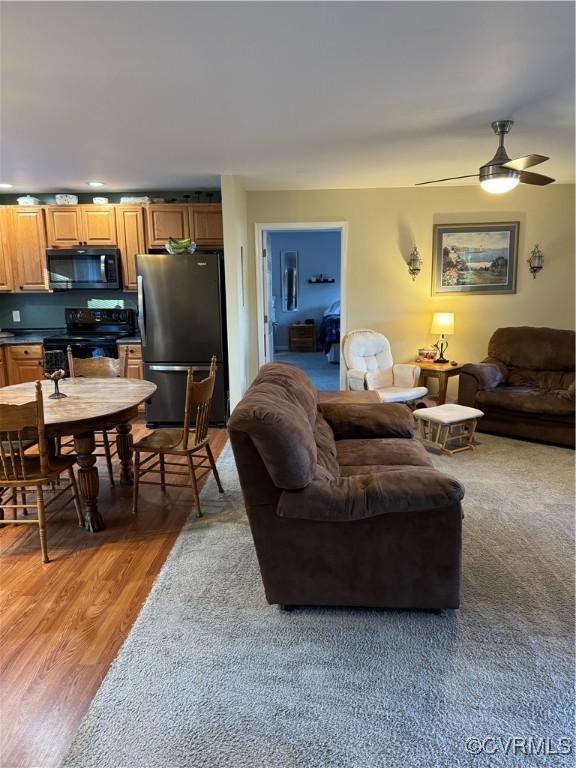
[169, 95]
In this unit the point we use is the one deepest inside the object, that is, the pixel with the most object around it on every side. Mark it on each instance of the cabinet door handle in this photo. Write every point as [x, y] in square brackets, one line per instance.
[26, 352]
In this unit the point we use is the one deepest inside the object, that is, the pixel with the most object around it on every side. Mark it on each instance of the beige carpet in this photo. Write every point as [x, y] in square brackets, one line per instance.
[213, 677]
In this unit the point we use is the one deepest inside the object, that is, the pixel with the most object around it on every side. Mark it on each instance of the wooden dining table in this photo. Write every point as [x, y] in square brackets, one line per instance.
[90, 405]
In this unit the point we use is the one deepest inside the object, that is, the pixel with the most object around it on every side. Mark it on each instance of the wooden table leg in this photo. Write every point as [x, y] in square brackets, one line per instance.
[88, 482]
[442, 387]
[124, 446]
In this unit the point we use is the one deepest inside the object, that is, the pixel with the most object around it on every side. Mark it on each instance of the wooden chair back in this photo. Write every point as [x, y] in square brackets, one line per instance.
[98, 367]
[198, 396]
[18, 424]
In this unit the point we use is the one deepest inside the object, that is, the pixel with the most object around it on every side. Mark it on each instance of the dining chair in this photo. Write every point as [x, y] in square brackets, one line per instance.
[20, 472]
[103, 368]
[191, 442]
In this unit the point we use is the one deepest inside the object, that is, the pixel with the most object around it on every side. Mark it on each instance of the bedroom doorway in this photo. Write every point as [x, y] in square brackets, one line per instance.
[301, 274]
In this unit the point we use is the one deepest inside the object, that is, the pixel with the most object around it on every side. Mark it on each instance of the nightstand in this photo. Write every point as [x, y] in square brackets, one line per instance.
[302, 338]
[440, 371]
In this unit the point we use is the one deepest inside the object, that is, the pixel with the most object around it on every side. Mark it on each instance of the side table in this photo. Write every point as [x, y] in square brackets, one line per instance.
[440, 371]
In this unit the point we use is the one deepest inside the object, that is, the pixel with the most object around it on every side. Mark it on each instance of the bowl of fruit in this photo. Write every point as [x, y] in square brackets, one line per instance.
[175, 246]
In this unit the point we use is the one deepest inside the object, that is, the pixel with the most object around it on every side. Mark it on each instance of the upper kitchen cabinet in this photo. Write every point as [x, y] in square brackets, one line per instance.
[206, 224]
[27, 239]
[130, 228]
[71, 225]
[64, 225]
[98, 225]
[166, 220]
[6, 283]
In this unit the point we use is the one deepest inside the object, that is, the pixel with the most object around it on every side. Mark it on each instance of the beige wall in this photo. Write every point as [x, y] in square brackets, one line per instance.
[237, 311]
[383, 226]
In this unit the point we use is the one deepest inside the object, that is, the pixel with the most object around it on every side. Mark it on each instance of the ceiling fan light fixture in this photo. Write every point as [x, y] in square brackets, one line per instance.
[498, 180]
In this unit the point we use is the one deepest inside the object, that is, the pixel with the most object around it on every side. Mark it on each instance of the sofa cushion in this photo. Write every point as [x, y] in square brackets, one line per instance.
[544, 380]
[386, 451]
[538, 349]
[357, 420]
[326, 446]
[527, 400]
[405, 490]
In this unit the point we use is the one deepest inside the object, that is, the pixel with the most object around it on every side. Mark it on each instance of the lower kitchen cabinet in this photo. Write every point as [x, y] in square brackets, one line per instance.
[3, 371]
[134, 353]
[24, 363]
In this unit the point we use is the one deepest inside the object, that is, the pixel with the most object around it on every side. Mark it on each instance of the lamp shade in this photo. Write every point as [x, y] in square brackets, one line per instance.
[443, 323]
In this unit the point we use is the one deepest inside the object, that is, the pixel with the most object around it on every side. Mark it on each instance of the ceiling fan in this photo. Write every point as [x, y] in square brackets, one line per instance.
[502, 174]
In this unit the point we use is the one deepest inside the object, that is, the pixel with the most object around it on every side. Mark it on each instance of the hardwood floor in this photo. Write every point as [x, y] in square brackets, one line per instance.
[63, 623]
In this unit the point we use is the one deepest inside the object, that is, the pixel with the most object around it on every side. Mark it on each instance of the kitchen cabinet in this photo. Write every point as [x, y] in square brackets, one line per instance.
[25, 362]
[206, 224]
[130, 229]
[71, 225]
[98, 225]
[166, 220]
[134, 354]
[6, 283]
[27, 248]
[63, 226]
[3, 371]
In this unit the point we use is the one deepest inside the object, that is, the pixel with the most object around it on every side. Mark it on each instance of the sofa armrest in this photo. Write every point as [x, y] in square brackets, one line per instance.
[475, 377]
[406, 375]
[489, 374]
[356, 380]
[358, 497]
[370, 420]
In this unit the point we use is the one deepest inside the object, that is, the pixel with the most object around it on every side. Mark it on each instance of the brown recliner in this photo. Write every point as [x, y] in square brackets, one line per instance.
[344, 505]
[525, 386]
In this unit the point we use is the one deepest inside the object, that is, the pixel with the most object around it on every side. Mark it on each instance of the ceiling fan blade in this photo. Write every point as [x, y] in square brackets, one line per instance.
[535, 178]
[520, 163]
[450, 178]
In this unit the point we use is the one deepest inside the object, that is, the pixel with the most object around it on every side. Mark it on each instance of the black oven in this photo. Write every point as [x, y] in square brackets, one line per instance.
[73, 269]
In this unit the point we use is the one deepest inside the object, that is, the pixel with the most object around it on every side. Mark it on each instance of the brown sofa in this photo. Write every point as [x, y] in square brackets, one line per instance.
[344, 505]
[525, 386]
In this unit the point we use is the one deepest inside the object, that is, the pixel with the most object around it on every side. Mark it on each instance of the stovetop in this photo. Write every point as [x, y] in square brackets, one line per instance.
[95, 326]
[92, 338]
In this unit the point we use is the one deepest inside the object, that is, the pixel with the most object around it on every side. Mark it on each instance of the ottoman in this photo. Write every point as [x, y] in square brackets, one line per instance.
[448, 427]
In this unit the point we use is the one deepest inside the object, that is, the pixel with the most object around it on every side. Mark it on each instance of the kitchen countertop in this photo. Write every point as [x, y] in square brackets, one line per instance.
[37, 337]
[29, 337]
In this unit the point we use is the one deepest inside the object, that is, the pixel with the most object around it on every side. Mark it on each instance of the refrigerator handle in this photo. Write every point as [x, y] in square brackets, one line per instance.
[179, 368]
[141, 321]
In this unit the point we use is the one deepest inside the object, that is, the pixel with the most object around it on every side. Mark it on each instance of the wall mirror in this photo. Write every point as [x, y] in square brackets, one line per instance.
[289, 264]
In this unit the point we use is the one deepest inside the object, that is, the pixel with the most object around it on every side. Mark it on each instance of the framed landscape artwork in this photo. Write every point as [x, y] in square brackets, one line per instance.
[475, 258]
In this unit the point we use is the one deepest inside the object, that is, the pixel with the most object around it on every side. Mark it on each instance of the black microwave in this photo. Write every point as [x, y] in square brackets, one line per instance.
[80, 269]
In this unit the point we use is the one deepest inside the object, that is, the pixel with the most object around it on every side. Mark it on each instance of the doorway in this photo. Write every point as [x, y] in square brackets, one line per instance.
[300, 297]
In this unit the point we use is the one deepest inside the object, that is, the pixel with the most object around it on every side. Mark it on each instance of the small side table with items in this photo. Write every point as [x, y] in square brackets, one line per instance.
[302, 337]
[440, 371]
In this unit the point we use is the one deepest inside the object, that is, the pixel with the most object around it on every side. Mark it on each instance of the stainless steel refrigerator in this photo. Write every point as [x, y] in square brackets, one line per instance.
[182, 320]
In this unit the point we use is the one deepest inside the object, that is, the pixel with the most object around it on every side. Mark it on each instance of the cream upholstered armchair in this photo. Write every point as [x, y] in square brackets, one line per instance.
[369, 365]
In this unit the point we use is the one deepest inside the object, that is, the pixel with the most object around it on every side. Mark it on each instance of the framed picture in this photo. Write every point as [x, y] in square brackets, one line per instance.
[475, 258]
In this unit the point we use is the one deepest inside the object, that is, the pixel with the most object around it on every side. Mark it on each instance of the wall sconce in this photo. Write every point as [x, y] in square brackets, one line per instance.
[414, 264]
[536, 260]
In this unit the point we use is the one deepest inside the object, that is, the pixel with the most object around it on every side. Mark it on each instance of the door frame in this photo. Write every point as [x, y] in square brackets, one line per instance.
[342, 227]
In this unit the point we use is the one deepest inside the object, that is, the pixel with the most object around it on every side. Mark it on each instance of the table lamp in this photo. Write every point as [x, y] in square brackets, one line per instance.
[442, 325]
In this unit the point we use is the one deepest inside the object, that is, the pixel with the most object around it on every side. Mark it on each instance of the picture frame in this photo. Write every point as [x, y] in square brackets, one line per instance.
[475, 258]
